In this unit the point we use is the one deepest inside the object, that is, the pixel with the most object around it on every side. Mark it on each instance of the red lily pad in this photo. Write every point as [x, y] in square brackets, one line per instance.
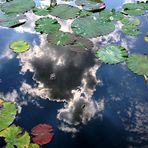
[42, 134]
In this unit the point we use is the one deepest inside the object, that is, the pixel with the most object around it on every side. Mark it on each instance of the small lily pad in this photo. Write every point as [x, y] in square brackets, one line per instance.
[112, 54]
[14, 137]
[17, 6]
[19, 46]
[42, 134]
[7, 114]
[138, 63]
[32, 145]
[47, 25]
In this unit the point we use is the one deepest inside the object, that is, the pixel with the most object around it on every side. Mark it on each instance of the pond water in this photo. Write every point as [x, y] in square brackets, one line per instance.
[115, 99]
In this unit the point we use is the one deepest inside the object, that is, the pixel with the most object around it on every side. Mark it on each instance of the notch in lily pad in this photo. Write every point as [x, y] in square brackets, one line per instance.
[19, 46]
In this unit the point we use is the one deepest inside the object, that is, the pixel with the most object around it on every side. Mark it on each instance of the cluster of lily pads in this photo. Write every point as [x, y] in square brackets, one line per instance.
[14, 135]
[91, 21]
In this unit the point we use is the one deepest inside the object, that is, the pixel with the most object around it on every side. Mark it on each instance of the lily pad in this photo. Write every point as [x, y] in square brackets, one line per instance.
[91, 5]
[42, 134]
[17, 6]
[112, 54]
[92, 26]
[146, 38]
[71, 41]
[131, 30]
[64, 11]
[47, 25]
[19, 46]
[61, 38]
[12, 20]
[40, 11]
[7, 114]
[14, 137]
[138, 63]
[133, 9]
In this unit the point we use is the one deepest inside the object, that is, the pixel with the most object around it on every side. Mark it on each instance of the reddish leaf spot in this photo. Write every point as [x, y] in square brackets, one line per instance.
[42, 134]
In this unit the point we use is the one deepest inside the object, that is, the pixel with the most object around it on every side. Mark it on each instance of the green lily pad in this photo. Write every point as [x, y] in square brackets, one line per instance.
[7, 114]
[111, 15]
[61, 38]
[32, 145]
[112, 54]
[15, 138]
[146, 38]
[19, 46]
[138, 63]
[64, 11]
[133, 9]
[131, 30]
[71, 41]
[47, 25]
[91, 5]
[92, 26]
[11, 20]
[17, 6]
[40, 11]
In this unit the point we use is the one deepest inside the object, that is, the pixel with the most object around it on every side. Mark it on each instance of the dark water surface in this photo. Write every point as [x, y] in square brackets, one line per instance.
[116, 113]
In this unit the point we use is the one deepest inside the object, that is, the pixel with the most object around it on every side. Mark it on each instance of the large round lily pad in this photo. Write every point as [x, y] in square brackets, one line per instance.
[19, 46]
[92, 26]
[61, 38]
[64, 11]
[17, 6]
[12, 20]
[14, 137]
[47, 25]
[91, 5]
[7, 114]
[138, 63]
[71, 41]
[112, 54]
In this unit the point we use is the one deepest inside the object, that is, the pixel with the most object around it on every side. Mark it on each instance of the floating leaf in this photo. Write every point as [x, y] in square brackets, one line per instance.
[42, 134]
[146, 38]
[131, 30]
[64, 11]
[92, 26]
[61, 38]
[112, 54]
[19, 46]
[40, 11]
[17, 6]
[138, 63]
[12, 20]
[71, 41]
[133, 9]
[15, 138]
[7, 114]
[91, 5]
[47, 25]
